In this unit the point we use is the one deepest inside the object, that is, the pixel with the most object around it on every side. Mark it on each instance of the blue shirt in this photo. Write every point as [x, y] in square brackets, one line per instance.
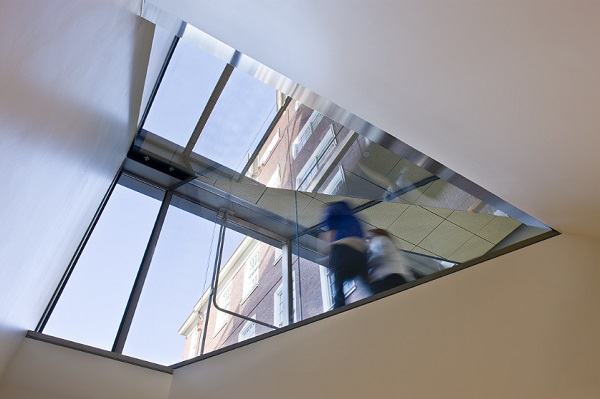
[339, 217]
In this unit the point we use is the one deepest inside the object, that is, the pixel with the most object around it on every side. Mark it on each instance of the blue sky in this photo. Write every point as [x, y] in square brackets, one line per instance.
[92, 304]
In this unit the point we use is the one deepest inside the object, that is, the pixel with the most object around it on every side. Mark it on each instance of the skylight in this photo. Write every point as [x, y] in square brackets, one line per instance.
[244, 173]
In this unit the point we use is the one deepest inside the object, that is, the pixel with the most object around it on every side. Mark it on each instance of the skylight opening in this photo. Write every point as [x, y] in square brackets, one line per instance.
[263, 168]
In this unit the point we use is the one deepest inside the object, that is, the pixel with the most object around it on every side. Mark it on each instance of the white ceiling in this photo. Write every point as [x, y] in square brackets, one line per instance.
[505, 93]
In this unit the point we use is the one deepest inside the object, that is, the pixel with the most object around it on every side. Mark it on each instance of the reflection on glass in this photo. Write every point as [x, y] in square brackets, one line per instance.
[250, 285]
[180, 272]
[184, 92]
[92, 304]
[325, 162]
[316, 285]
[316, 279]
[238, 122]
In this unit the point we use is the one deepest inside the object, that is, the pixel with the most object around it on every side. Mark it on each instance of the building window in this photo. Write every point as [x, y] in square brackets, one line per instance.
[307, 130]
[275, 180]
[316, 160]
[334, 186]
[279, 318]
[223, 301]
[277, 253]
[328, 289]
[251, 272]
[195, 339]
[271, 147]
[248, 330]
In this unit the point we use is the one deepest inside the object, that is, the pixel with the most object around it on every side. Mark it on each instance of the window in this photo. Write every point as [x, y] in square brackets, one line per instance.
[333, 187]
[279, 318]
[87, 311]
[251, 272]
[275, 180]
[223, 301]
[328, 289]
[248, 330]
[307, 130]
[316, 160]
[195, 339]
[271, 147]
[276, 254]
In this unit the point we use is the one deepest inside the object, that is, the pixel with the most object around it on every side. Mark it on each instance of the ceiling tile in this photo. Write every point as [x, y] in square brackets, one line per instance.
[283, 203]
[473, 248]
[247, 192]
[498, 228]
[445, 239]
[383, 214]
[414, 224]
[469, 220]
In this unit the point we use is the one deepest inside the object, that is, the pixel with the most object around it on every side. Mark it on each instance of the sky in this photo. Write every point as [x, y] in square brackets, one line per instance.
[90, 309]
[242, 113]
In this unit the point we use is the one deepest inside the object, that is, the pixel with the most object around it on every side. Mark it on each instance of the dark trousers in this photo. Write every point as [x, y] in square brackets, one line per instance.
[387, 283]
[346, 264]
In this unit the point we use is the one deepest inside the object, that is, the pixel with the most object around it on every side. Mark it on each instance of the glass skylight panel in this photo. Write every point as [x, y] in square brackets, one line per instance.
[183, 94]
[239, 120]
[306, 161]
[90, 308]
[181, 271]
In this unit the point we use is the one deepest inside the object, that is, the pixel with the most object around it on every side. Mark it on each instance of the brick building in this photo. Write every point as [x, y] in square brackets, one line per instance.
[295, 156]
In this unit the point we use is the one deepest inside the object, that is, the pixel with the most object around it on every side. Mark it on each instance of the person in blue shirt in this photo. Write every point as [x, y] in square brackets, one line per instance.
[348, 248]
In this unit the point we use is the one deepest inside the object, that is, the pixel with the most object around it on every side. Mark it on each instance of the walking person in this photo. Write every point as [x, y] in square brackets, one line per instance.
[388, 267]
[348, 248]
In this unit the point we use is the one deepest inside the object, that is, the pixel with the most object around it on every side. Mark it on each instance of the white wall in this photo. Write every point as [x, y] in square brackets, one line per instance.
[71, 78]
[524, 325]
[42, 370]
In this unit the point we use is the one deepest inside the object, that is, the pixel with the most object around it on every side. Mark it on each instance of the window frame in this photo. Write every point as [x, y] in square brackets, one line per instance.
[247, 326]
[316, 160]
[251, 273]
[326, 287]
[278, 302]
[222, 317]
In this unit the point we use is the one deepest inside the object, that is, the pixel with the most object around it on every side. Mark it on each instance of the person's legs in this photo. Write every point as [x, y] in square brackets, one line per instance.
[337, 262]
[387, 283]
[346, 263]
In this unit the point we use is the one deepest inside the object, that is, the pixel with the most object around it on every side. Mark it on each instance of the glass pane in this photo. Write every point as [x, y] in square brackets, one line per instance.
[180, 273]
[92, 304]
[317, 287]
[183, 94]
[238, 122]
[316, 279]
[249, 279]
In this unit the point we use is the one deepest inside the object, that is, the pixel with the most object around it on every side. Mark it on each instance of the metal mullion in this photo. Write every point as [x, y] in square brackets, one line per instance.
[138, 285]
[210, 105]
[218, 254]
[288, 282]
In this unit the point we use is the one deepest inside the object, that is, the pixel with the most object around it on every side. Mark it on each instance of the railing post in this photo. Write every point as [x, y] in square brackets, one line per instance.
[212, 286]
[287, 283]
